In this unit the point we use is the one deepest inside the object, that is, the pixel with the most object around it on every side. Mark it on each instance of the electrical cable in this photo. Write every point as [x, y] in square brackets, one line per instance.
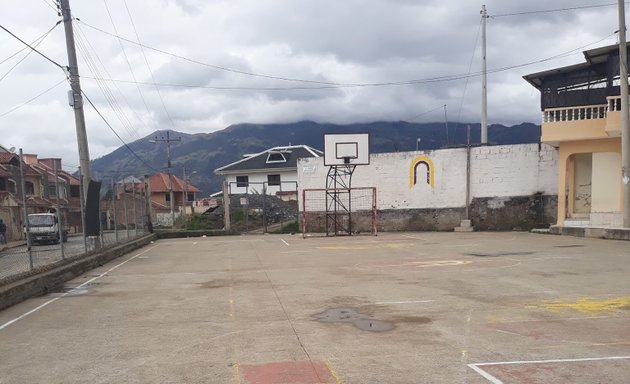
[426, 112]
[35, 43]
[554, 10]
[33, 98]
[116, 133]
[29, 46]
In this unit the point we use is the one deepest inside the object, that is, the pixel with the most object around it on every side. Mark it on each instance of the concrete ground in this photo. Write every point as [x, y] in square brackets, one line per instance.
[397, 308]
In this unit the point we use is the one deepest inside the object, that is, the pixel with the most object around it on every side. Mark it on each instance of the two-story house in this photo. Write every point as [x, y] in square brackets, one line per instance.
[273, 171]
[581, 117]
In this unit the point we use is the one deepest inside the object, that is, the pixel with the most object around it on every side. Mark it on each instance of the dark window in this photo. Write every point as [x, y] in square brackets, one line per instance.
[242, 181]
[3, 184]
[276, 157]
[11, 186]
[167, 197]
[190, 197]
[75, 191]
[51, 190]
[273, 179]
[30, 188]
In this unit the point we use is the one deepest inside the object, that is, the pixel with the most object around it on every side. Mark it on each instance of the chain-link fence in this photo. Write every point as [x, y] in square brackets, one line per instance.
[49, 233]
[263, 208]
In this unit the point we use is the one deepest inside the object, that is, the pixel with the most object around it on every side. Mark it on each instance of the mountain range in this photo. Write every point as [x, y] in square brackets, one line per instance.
[200, 154]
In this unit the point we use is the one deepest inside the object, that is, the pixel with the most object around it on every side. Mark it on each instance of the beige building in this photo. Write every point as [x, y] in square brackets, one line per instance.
[582, 117]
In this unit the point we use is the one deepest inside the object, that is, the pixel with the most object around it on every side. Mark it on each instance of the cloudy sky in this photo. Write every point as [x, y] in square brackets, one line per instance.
[207, 64]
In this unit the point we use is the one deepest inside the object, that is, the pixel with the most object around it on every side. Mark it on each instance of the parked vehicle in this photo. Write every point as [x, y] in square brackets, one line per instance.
[44, 228]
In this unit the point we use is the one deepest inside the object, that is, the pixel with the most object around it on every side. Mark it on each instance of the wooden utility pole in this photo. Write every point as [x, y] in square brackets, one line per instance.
[76, 98]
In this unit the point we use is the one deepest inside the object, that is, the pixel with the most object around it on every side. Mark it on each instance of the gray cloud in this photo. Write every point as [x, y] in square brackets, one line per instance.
[350, 41]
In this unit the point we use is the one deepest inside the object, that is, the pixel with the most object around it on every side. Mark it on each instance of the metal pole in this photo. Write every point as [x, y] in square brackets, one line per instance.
[59, 223]
[185, 200]
[625, 128]
[82, 197]
[147, 197]
[264, 212]
[135, 209]
[170, 178]
[468, 173]
[143, 207]
[77, 98]
[114, 208]
[484, 78]
[27, 227]
[446, 124]
[125, 208]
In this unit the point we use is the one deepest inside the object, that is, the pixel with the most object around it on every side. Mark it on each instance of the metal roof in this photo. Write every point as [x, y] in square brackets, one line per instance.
[259, 161]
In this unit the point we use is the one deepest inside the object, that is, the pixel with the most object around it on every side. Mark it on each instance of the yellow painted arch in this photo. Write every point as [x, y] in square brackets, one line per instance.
[415, 162]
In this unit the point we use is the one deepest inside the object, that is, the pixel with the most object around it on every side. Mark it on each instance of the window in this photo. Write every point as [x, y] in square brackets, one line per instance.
[3, 184]
[167, 197]
[11, 186]
[51, 190]
[242, 181]
[276, 157]
[29, 188]
[273, 179]
[75, 191]
[190, 197]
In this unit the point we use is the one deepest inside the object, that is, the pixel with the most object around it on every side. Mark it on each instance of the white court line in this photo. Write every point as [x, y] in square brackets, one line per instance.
[494, 380]
[3, 326]
[285, 243]
[404, 302]
[485, 374]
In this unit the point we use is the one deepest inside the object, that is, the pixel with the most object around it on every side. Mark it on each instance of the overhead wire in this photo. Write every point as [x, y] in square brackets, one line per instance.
[124, 52]
[104, 85]
[157, 89]
[116, 133]
[34, 49]
[35, 43]
[32, 99]
[470, 64]
[539, 11]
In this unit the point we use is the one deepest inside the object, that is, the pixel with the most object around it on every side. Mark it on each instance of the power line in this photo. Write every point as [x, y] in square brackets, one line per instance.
[35, 43]
[116, 133]
[33, 98]
[554, 10]
[38, 52]
[426, 112]
[429, 80]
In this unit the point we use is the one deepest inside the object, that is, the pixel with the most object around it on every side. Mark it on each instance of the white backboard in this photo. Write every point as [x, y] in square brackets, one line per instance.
[346, 149]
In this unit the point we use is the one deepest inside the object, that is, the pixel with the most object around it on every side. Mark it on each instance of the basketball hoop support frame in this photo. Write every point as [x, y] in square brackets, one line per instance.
[339, 199]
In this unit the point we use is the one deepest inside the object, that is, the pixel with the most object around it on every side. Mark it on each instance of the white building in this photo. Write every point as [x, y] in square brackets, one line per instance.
[273, 171]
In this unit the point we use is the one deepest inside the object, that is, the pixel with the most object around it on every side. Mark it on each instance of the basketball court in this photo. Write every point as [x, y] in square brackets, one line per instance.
[393, 308]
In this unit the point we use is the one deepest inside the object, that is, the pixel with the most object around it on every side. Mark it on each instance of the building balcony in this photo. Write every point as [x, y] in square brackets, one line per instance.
[582, 122]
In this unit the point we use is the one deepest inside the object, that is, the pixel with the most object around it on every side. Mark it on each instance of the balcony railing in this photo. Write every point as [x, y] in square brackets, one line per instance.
[589, 112]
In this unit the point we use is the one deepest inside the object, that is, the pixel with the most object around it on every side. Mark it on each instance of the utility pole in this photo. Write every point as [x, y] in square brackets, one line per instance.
[76, 98]
[27, 226]
[185, 200]
[484, 79]
[170, 171]
[625, 128]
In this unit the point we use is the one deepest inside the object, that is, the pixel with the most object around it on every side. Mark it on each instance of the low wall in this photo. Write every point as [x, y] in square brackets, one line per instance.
[53, 279]
[496, 214]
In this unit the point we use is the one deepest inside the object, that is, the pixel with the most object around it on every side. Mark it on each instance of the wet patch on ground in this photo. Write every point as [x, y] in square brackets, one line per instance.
[69, 290]
[359, 320]
[569, 246]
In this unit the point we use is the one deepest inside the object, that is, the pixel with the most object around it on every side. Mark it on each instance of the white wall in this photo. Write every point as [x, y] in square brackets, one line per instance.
[288, 181]
[606, 196]
[496, 171]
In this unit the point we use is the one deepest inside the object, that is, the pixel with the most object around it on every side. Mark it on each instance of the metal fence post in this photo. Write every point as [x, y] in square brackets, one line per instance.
[59, 222]
[27, 228]
[125, 208]
[114, 209]
[135, 209]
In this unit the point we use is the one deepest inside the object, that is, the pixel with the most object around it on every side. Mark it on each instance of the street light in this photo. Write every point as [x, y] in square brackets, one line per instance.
[418, 142]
